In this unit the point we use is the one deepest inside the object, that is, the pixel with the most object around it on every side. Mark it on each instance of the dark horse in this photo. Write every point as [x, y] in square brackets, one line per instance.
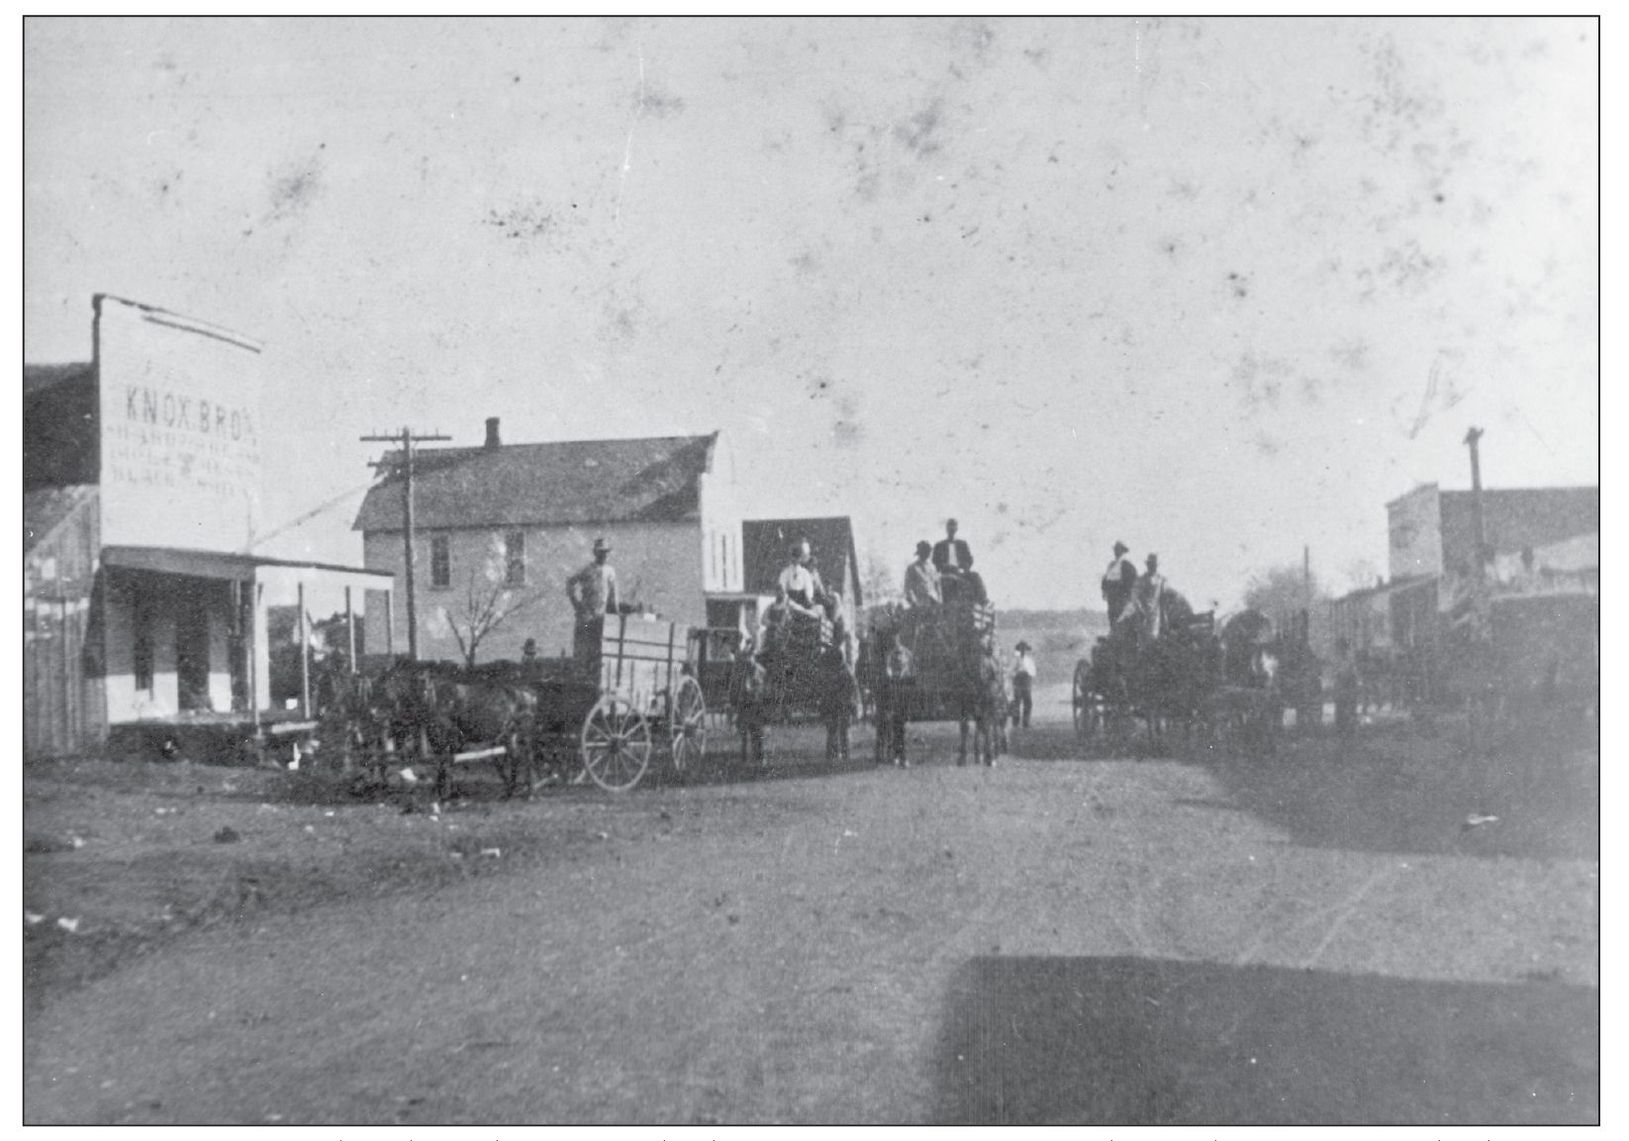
[440, 710]
[980, 696]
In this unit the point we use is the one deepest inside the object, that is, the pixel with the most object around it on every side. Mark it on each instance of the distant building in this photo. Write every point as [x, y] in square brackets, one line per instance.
[143, 604]
[1538, 542]
[515, 521]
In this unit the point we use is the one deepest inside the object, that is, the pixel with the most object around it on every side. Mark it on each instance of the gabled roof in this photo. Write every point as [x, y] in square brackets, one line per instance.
[60, 434]
[654, 479]
[47, 509]
[764, 543]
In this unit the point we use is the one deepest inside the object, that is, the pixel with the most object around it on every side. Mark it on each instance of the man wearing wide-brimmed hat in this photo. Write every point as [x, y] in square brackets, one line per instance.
[593, 594]
[1118, 582]
[1023, 685]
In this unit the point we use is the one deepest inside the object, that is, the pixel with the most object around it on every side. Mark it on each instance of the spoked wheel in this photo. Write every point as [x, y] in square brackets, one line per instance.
[687, 724]
[615, 743]
[1081, 701]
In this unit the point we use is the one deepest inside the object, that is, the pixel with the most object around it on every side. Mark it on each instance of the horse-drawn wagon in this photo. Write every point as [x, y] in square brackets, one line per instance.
[608, 711]
[1230, 683]
[1164, 677]
[799, 672]
[937, 664]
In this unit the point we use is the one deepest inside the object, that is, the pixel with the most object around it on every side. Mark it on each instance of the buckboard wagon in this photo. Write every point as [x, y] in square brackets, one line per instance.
[946, 677]
[638, 694]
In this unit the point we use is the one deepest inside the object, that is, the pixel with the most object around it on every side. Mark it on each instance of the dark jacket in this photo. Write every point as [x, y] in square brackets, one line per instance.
[941, 555]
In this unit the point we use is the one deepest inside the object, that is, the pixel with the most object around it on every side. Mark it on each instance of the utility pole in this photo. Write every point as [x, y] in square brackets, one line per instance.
[1479, 583]
[1479, 535]
[407, 439]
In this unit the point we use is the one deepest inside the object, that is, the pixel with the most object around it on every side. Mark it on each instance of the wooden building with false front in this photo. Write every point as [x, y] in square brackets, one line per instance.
[144, 601]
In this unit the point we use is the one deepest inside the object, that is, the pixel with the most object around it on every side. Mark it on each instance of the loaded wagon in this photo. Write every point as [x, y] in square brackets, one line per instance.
[798, 674]
[637, 694]
[936, 664]
[1162, 680]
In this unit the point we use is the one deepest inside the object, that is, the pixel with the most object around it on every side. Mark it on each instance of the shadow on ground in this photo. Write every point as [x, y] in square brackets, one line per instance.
[1126, 1041]
[1534, 793]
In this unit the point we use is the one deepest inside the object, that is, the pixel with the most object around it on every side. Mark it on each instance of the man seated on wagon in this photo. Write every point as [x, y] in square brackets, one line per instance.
[772, 632]
[804, 591]
[922, 580]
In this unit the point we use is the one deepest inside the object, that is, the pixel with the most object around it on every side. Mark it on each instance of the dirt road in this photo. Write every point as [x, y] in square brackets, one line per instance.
[1054, 940]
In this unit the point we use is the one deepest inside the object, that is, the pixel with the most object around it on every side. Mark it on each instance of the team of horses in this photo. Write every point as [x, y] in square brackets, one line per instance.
[435, 711]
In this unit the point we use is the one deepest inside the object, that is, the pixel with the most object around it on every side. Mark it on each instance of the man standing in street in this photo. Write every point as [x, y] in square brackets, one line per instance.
[1118, 582]
[593, 594]
[1023, 685]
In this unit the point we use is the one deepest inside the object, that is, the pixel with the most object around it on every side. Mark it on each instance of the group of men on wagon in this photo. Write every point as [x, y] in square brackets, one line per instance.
[943, 573]
[1135, 601]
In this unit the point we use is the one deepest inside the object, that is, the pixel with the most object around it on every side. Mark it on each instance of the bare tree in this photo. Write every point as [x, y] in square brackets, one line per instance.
[1283, 592]
[880, 584]
[489, 601]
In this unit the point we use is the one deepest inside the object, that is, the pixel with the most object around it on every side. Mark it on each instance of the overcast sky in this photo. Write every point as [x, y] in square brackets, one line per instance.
[1217, 287]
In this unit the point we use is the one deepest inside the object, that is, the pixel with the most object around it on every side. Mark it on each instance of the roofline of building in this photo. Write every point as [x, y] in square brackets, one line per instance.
[83, 493]
[584, 523]
[161, 316]
[1440, 490]
[482, 449]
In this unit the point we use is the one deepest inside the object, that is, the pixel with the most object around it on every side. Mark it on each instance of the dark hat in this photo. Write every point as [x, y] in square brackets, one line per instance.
[601, 547]
[1022, 646]
[923, 546]
[1152, 558]
[1120, 548]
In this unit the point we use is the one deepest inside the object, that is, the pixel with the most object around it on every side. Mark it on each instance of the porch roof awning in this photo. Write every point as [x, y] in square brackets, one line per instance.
[239, 567]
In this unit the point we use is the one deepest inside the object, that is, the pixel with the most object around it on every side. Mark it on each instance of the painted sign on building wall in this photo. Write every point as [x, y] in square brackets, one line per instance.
[180, 424]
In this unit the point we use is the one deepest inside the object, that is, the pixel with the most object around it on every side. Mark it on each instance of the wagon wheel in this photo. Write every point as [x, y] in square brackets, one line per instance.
[687, 724]
[1081, 700]
[615, 743]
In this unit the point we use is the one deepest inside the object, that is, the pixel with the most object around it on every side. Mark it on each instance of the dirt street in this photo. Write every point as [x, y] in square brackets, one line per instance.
[1319, 937]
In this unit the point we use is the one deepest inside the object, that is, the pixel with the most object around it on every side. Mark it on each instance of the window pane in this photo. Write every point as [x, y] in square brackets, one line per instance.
[515, 550]
[440, 562]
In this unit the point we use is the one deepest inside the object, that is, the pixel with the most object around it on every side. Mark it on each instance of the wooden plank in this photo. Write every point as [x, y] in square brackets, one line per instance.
[659, 637]
[479, 754]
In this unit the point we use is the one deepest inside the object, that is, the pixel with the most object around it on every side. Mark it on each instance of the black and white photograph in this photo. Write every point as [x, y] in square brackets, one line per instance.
[762, 571]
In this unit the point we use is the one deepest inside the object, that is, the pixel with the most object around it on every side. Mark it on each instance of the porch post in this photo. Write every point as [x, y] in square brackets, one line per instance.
[305, 655]
[350, 629]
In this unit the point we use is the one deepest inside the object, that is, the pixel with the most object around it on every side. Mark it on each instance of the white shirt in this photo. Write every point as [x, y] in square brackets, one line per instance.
[799, 577]
[1025, 665]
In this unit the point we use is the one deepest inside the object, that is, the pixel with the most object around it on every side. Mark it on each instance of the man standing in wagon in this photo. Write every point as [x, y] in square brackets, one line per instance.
[593, 594]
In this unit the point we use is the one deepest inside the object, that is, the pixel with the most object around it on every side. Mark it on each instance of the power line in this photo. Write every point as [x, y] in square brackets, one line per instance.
[309, 515]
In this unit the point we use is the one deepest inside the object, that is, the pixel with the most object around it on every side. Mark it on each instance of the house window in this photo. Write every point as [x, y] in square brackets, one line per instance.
[142, 651]
[514, 554]
[440, 561]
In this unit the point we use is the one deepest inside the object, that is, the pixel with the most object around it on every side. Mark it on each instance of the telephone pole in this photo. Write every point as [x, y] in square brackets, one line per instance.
[406, 439]
[1479, 583]
[1471, 439]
